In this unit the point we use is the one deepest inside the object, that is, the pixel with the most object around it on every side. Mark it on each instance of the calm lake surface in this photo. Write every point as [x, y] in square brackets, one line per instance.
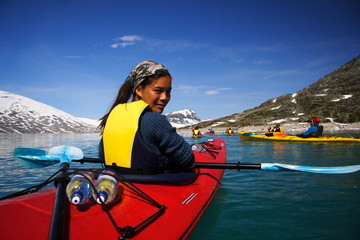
[250, 204]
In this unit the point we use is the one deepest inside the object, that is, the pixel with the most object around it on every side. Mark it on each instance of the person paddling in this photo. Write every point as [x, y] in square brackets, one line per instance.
[276, 131]
[277, 128]
[136, 138]
[196, 131]
[315, 130]
[229, 131]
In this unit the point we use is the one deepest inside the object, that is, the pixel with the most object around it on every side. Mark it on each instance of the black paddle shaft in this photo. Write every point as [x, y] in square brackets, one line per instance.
[237, 166]
[60, 213]
[210, 165]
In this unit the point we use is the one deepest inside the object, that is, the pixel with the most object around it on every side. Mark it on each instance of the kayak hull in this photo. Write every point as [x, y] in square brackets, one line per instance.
[291, 138]
[197, 136]
[229, 134]
[29, 216]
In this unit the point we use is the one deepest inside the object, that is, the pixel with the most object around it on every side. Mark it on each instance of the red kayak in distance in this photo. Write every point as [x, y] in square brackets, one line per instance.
[145, 210]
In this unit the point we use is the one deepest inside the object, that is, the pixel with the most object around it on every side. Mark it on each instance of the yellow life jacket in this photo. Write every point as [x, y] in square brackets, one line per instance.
[277, 129]
[196, 132]
[120, 132]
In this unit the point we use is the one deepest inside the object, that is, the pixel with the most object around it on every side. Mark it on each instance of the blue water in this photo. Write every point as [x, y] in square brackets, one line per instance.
[250, 204]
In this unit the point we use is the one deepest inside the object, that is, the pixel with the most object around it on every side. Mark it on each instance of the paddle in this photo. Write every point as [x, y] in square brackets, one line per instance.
[281, 167]
[36, 158]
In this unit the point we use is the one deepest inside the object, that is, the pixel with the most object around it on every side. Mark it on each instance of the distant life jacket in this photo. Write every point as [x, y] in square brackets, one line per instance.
[319, 131]
[196, 132]
[123, 146]
[278, 129]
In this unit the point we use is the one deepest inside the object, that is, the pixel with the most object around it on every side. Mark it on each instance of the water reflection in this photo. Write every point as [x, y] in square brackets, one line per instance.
[248, 200]
[15, 177]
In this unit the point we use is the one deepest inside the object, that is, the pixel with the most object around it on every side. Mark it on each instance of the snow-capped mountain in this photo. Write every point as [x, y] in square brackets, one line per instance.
[20, 114]
[182, 118]
[92, 122]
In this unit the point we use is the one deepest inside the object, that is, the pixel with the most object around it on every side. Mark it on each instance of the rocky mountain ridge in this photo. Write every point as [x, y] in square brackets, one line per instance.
[333, 98]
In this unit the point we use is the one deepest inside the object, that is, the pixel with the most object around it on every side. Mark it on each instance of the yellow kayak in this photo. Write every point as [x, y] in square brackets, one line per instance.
[290, 138]
[229, 134]
[246, 135]
[197, 136]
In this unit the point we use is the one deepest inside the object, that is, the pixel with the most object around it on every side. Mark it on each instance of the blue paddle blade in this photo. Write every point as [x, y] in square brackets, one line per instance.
[33, 157]
[66, 153]
[310, 169]
[37, 158]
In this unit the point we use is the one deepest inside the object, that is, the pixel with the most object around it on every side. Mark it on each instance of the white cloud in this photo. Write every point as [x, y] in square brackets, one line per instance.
[130, 38]
[156, 44]
[212, 92]
[173, 45]
[123, 44]
[125, 41]
[217, 91]
[115, 45]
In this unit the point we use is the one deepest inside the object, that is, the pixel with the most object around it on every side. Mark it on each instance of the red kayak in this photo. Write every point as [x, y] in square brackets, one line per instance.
[146, 210]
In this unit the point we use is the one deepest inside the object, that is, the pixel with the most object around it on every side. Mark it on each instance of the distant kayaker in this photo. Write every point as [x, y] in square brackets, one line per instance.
[277, 128]
[136, 138]
[229, 131]
[196, 131]
[315, 130]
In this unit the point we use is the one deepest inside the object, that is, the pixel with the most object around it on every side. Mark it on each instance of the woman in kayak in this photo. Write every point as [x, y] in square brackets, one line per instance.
[315, 130]
[136, 137]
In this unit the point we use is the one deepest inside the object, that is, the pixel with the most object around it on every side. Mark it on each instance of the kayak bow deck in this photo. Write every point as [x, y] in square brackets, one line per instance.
[170, 212]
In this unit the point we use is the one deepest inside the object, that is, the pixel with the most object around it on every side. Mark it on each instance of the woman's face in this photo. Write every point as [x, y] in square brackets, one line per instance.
[156, 94]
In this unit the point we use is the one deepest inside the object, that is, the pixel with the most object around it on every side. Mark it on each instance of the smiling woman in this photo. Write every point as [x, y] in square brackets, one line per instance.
[136, 137]
[156, 94]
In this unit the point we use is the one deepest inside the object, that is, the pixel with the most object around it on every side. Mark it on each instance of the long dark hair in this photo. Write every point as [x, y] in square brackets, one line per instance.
[125, 93]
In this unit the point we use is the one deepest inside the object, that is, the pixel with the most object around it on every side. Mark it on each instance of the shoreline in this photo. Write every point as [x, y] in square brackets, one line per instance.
[289, 127]
[300, 127]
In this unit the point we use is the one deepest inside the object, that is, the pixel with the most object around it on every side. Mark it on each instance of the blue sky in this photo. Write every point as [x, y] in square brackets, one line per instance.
[224, 56]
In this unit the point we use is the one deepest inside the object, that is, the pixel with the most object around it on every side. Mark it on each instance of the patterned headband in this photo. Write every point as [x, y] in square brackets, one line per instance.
[142, 71]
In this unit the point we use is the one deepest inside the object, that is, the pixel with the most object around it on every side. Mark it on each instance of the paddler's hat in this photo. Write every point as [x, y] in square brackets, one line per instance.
[316, 120]
[142, 71]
